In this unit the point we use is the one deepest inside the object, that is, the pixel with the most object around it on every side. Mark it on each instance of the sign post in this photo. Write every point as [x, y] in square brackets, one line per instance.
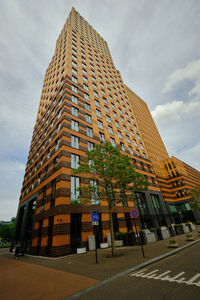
[135, 214]
[95, 223]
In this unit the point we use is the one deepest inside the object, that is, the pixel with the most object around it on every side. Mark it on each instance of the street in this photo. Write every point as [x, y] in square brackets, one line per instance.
[177, 277]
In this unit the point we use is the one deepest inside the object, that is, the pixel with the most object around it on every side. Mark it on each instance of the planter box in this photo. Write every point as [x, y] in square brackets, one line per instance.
[193, 226]
[81, 250]
[103, 245]
[172, 245]
[190, 238]
[165, 232]
[171, 231]
[119, 243]
[150, 237]
[186, 229]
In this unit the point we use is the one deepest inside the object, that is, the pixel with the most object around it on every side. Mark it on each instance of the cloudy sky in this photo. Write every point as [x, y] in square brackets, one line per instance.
[154, 43]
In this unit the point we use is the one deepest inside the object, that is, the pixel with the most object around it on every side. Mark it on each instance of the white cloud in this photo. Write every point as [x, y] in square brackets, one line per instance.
[176, 110]
[190, 72]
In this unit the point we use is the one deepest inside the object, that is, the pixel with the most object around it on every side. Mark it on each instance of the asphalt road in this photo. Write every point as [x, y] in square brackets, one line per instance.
[176, 277]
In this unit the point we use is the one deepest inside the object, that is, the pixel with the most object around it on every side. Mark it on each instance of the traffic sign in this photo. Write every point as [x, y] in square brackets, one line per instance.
[95, 217]
[134, 213]
[95, 223]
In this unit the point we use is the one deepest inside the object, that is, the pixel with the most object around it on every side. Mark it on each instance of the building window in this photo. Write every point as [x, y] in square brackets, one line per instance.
[110, 130]
[74, 79]
[102, 137]
[49, 153]
[131, 150]
[53, 194]
[141, 146]
[74, 142]
[138, 152]
[74, 111]
[88, 118]
[87, 106]
[96, 94]
[94, 192]
[105, 101]
[86, 96]
[75, 161]
[74, 89]
[90, 146]
[85, 87]
[74, 71]
[98, 113]
[89, 132]
[122, 146]
[112, 142]
[74, 99]
[100, 124]
[57, 144]
[155, 200]
[108, 119]
[44, 194]
[128, 140]
[117, 124]
[75, 184]
[46, 171]
[97, 103]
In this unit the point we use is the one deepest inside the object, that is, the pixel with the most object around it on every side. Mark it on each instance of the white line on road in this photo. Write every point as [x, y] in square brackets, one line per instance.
[165, 277]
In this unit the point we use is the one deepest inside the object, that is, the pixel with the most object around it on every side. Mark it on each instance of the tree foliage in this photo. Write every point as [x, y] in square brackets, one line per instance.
[195, 198]
[7, 230]
[112, 177]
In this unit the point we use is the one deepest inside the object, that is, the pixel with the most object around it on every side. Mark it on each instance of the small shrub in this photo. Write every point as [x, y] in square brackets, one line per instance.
[188, 235]
[172, 242]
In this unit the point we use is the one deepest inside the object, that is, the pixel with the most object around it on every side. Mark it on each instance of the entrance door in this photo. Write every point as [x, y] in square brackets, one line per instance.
[18, 229]
[75, 232]
[28, 228]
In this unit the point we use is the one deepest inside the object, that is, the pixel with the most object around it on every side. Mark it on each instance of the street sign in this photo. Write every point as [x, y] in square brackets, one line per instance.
[95, 223]
[134, 213]
[95, 217]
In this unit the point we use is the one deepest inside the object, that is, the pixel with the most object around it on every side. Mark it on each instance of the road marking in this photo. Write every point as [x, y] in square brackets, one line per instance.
[165, 277]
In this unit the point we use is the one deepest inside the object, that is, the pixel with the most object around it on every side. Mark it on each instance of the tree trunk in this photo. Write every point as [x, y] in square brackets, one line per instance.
[112, 233]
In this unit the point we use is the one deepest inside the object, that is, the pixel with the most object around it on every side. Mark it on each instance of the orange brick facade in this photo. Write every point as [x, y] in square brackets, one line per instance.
[83, 101]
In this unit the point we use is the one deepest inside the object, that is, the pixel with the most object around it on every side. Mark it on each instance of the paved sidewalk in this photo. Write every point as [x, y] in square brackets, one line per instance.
[20, 280]
[74, 273]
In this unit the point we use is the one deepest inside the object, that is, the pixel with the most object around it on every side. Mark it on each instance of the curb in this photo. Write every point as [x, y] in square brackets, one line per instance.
[140, 266]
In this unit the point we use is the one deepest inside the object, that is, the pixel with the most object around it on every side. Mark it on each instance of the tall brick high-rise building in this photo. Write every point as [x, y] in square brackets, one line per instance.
[83, 101]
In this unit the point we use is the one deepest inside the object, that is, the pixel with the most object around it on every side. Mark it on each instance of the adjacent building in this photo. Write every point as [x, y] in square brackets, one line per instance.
[84, 101]
[175, 178]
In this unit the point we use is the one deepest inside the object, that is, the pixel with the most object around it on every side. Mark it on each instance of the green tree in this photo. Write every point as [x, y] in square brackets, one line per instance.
[195, 198]
[112, 177]
[7, 231]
